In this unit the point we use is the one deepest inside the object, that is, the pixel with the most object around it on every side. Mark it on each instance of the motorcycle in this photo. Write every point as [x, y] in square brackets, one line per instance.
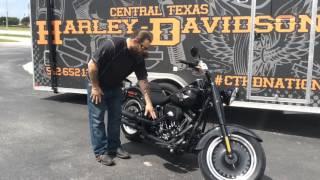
[225, 151]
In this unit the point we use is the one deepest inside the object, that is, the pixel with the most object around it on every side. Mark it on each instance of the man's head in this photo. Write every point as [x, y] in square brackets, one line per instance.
[141, 41]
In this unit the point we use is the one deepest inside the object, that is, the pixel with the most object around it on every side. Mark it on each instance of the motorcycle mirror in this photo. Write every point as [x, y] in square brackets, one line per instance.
[194, 51]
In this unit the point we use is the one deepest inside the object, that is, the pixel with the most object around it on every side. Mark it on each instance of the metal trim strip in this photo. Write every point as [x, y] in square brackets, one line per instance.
[251, 44]
[61, 90]
[311, 49]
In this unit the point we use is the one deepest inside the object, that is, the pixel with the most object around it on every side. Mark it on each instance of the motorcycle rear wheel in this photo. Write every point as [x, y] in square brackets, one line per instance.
[135, 106]
[248, 162]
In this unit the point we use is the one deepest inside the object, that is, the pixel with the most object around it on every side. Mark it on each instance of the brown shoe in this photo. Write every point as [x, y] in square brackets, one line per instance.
[105, 159]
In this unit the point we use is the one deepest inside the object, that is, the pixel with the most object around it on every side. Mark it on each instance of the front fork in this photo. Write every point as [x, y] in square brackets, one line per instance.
[221, 117]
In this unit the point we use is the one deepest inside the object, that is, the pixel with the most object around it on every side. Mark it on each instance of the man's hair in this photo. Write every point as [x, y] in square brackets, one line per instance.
[141, 36]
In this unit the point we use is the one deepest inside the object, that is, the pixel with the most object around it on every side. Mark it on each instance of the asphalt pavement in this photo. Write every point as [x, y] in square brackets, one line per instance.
[46, 136]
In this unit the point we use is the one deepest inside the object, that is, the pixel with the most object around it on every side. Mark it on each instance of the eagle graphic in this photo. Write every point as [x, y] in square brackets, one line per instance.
[271, 51]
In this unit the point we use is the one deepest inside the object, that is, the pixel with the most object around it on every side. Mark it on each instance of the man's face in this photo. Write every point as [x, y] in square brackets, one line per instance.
[141, 49]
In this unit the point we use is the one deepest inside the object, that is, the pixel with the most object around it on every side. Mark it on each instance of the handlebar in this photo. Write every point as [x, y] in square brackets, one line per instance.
[190, 64]
[195, 66]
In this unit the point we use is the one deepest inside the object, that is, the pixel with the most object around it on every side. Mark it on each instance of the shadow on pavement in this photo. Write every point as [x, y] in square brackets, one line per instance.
[181, 164]
[266, 178]
[177, 163]
[276, 121]
[69, 98]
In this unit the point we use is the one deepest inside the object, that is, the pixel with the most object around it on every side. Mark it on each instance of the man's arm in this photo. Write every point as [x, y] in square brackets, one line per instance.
[145, 87]
[96, 92]
[93, 73]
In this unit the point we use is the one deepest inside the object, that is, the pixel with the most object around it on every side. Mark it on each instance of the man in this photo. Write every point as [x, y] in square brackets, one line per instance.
[110, 65]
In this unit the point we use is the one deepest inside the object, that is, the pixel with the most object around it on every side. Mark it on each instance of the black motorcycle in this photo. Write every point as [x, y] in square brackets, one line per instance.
[224, 151]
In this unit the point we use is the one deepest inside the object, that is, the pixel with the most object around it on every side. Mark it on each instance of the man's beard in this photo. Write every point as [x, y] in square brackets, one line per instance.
[135, 52]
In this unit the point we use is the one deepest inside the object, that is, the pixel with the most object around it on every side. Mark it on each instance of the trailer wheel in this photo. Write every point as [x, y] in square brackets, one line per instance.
[168, 88]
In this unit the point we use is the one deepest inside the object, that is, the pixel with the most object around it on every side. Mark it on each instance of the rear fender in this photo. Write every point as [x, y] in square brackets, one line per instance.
[133, 93]
[232, 129]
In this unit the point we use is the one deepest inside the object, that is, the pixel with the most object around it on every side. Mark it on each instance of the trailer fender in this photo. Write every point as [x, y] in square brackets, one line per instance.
[232, 129]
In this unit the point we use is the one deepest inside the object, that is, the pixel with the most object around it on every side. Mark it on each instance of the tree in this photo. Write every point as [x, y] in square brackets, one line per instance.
[2, 21]
[25, 21]
[13, 21]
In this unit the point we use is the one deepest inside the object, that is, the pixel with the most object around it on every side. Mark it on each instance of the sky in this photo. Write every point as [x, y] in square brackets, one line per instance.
[16, 8]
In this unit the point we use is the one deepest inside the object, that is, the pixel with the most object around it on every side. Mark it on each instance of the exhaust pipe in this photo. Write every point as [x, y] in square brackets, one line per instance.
[133, 116]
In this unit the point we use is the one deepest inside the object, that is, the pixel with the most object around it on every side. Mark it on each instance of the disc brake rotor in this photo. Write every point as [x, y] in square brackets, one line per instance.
[235, 167]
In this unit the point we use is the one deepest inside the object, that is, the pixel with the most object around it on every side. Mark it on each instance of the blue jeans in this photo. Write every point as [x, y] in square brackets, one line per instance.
[101, 140]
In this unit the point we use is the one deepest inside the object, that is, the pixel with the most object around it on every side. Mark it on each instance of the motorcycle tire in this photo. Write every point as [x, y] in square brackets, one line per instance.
[133, 105]
[248, 161]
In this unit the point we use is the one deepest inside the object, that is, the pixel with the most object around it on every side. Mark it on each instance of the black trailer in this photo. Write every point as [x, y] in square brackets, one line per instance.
[268, 49]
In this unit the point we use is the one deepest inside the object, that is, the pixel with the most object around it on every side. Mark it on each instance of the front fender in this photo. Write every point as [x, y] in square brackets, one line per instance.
[232, 129]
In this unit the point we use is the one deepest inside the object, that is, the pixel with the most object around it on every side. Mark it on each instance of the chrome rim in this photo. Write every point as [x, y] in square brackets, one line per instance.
[215, 158]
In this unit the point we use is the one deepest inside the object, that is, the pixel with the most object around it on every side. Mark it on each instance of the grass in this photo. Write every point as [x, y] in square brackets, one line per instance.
[6, 40]
[15, 28]
[15, 35]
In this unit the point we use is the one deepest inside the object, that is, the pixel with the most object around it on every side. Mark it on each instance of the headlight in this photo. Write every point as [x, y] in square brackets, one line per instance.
[234, 95]
[229, 95]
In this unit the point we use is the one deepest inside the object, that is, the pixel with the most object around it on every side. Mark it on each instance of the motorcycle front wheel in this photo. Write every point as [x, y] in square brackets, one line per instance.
[248, 160]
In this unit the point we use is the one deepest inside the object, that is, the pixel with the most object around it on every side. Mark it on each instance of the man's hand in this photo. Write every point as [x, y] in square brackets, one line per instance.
[149, 110]
[96, 94]
[144, 85]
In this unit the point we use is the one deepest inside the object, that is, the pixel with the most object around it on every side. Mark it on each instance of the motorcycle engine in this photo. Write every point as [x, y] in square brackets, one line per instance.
[170, 126]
